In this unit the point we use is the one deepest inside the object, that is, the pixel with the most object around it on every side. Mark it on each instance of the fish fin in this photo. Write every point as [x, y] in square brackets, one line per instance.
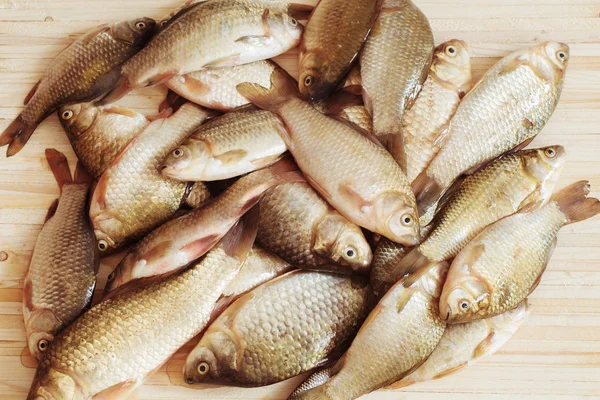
[404, 298]
[255, 40]
[188, 6]
[512, 65]
[575, 204]
[522, 145]
[240, 238]
[340, 100]
[51, 210]
[16, 135]
[473, 255]
[532, 202]
[266, 161]
[371, 317]
[397, 150]
[90, 35]
[163, 114]
[99, 194]
[354, 89]
[300, 11]
[286, 170]
[367, 101]
[364, 133]
[82, 175]
[228, 61]
[158, 251]
[199, 247]
[484, 347]
[105, 83]
[59, 166]
[427, 191]
[121, 390]
[354, 197]
[120, 89]
[441, 136]
[118, 110]
[195, 86]
[232, 157]
[282, 89]
[410, 263]
[169, 101]
[161, 78]
[31, 92]
[451, 371]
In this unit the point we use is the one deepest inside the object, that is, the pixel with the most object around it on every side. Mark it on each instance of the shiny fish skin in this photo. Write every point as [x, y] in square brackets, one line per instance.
[394, 64]
[519, 181]
[99, 133]
[216, 87]
[346, 105]
[398, 335]
[61, 277]
[508, 107]
[299, 226]
[82, 72]
[464, 344]
[231, 145]
[132, 197]
[315, 379]
[504, 263]
[211, 34]
[120, 341]
[318, 313]
[333, 36]
[349, 168]
[448, 80]
[386, 256]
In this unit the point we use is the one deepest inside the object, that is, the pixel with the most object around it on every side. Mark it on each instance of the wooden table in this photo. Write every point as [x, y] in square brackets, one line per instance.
[555, 355]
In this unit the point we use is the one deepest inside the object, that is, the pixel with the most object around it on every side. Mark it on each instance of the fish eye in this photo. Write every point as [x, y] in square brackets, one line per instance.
[407, 219]
[163, 23]
[293, 21]
[42, 345]
[464, 304]
[140, 25]
[177, 153]
[111, 276]
[550, 152]
[67, 115]
[451, 51]
[350, 252]
[203, 368]
[102, 245]
[308, 81]
[562, 56]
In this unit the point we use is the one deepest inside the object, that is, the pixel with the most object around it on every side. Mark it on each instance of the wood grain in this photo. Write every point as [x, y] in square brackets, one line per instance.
[555, 355]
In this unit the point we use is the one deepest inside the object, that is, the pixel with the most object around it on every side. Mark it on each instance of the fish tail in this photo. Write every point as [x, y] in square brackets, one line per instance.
[428, 191]
[575, 204]
[282, 90]
[121, 88]
[412, 262]
[16, 135]
[59, 166]
[82, 175]
[240, 238]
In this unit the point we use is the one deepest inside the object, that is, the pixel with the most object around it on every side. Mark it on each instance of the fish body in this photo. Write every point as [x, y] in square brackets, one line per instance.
[509, 106]
[85, 70]
[281, 329]
[216, 87]
[99, 133]
[61, 277]
[398, 335]
[394, 63]
[132, 196]
[504, 263]
[299, 226]
[332, 39]
[349, 106]
[177, 242]
[424, 123]
[233, 144]
[315, 379]
[207, 35]
[111, 348]
[349, 168]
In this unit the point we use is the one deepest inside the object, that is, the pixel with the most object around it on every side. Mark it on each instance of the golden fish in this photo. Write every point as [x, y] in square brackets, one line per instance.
[99, 133]
[85, 70]
[303, 316]
[111, 348]
[349, 168]
[500, 267]
[394, 64]
[315, 379]
[61, 277]
[346, 105]
[423, 123]
[299, 226]
[231, 145]
[506, 109]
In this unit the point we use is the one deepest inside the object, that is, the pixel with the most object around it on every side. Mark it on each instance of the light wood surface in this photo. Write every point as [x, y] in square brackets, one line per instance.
[555, 355]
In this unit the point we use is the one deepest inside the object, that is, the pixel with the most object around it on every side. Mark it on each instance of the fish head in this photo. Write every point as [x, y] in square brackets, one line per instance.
[106, 228]
[122, 274]
[284, 29]
[40, 326]
[549, 60]
[314, 79]
[452, 64]
[178, 164]
[50, 384]
[342, 242]
[135, 32]
[396, 218]
[76, 119]
[214, 359]
[544, 166]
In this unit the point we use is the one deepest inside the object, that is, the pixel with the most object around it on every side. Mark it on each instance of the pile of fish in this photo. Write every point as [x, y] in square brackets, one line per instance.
[377, 222]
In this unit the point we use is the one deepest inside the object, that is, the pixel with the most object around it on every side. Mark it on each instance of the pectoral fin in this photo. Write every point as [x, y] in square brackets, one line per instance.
[232, 157]
[228, 61]
[255, 40]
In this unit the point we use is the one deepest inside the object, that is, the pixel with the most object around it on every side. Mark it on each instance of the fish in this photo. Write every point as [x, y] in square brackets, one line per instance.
[61, 276]
[234, 144]
[348, 167]
[424, 122]
[505, 110]
[302, 316]
[177, 242]
[208, 35]
[132, 197]
[112, 348]
[299, 226]
[348, 106]
[84, 71]
[386, 256]
[397, 337]
[394, 63]
[333, 36]
[315, 379]
[502, 266]
[465, 344]
[99, 133]
[521, 181]
[216, 87]
[260, 266]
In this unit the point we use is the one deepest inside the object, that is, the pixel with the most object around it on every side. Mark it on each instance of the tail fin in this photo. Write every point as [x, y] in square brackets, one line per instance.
[283, 88]
[340, 100]
[82, 175]
[122, 87]
[240, 238]
[59, 166]
[575, 204]
[427, 191]
[16, 135]
[411, 263]
[169, 101]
